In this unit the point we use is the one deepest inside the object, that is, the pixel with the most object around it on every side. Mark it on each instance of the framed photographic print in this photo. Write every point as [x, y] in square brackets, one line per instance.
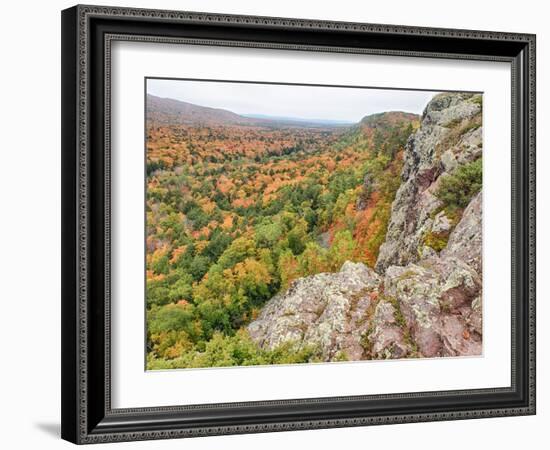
[280, 224]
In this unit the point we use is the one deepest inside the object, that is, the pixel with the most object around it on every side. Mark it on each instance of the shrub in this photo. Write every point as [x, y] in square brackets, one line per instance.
[237, 350]
[477, 99]
[173, 317]
[436, 241]
[457, 189]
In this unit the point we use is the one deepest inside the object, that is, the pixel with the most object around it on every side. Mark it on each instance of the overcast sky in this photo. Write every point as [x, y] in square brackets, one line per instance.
[304, 102]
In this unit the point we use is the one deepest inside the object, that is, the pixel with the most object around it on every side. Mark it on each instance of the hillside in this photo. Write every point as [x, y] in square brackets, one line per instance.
[387, 119]
[167, 111]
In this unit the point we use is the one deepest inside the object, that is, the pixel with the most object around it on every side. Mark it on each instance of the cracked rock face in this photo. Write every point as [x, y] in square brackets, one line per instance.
[427, 309]
[326, 311]
[465, 242]
[387, 338]
[441, 223]
[425, 162]
[435, 298]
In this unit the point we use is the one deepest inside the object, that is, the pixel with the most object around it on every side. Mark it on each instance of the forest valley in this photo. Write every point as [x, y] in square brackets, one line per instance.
[237, 209]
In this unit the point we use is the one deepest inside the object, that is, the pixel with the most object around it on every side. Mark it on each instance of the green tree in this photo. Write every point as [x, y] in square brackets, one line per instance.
[267, 233]
[199, 266]
[457, 189]
[313, 260]
[173, 317]
[297, 237]
[238, 251]
[341, 250]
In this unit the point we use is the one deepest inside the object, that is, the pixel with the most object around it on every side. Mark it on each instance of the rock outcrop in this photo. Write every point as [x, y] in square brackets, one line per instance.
[466, 239]
[420, 301]
[449, 135]
[425, 309]
[435, 298]
[326, 311]
[387, 337]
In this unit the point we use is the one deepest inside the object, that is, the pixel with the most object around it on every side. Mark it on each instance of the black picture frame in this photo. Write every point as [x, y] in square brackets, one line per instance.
[87, 415]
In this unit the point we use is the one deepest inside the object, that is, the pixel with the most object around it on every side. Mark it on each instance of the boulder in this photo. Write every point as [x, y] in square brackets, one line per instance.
[441, 223]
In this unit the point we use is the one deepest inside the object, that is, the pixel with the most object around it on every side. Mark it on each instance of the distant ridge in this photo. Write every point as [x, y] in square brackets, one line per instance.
[387, 118]
[167, 111]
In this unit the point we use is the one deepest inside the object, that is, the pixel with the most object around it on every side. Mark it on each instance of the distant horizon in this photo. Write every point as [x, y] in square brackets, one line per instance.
[297, 119]
[301, 103]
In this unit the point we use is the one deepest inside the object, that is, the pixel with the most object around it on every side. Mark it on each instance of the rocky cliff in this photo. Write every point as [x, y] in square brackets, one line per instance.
[450, 135]
[423, 299]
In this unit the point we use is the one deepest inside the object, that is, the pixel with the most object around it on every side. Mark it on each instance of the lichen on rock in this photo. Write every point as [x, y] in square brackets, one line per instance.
[387, 339]
[424, 165]
[326, 311]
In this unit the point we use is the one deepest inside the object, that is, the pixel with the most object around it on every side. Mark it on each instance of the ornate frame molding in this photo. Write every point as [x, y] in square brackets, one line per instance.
[80, 414]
